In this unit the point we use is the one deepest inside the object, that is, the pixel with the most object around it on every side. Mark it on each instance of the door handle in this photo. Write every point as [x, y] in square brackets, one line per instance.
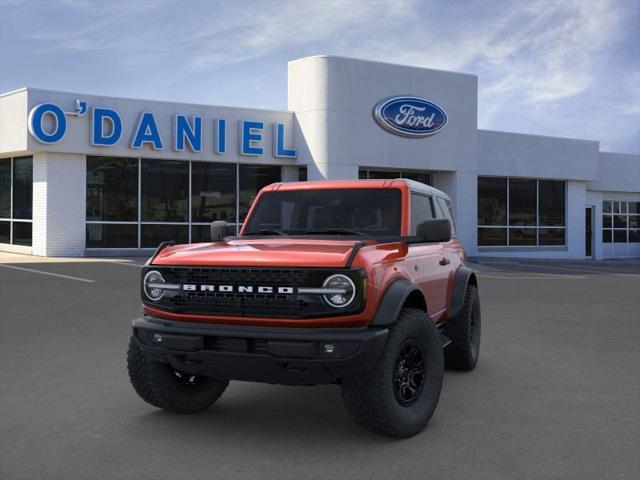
[444, 261]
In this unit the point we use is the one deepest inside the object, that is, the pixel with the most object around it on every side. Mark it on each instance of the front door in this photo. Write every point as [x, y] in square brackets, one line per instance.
[588, 232]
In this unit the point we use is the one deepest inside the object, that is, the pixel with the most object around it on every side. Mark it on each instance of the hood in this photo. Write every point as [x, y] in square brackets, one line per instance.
[288, 252]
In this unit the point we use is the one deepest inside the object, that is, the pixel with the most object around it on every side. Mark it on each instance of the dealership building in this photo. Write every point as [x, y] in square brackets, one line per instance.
[94, 175]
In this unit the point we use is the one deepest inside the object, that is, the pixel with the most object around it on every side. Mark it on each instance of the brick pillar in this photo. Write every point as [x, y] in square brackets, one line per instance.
[59, 204]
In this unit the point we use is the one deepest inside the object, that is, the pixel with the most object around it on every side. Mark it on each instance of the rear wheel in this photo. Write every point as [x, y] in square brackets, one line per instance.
[399, 395]
[464, 333]
[162, 386]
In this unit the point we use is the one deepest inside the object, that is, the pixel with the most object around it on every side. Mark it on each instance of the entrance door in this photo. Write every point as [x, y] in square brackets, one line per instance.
[588, 232]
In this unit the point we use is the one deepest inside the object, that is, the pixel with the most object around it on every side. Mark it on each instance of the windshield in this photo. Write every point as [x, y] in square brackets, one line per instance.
[371, 212]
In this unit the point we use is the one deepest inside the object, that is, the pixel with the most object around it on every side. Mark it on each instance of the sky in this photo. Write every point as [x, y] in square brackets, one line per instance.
[568, 68]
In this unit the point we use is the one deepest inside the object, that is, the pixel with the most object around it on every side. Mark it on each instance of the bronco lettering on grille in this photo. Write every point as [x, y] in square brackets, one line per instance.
[191, 287]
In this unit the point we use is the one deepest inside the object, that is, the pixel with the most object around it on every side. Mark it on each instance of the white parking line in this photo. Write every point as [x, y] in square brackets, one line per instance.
[66, 277]
[538, 276]
[578, 268]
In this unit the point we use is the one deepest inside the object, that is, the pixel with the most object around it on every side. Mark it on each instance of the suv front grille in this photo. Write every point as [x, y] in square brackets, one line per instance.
[251, 304]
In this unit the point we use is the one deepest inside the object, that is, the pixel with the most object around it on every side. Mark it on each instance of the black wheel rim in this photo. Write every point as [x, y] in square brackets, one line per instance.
[188, 379]
[408, 373]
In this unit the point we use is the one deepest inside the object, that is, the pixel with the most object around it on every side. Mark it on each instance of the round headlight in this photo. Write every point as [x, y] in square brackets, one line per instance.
[152, 285]
[344, 290]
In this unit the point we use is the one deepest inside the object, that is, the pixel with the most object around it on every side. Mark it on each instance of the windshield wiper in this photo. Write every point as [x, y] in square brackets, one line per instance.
[266, 231]
[336, 231]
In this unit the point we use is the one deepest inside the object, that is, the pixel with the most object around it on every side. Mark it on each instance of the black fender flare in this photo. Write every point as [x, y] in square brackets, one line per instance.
[392, 301]
[463, 277]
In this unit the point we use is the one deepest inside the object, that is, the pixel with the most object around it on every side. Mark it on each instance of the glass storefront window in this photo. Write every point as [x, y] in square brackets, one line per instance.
[213, 192]
[139, 203]
[551, 203]
[112, 235]
[5, 188]
[620, 221]
[154, 234]
[490, 237]
[22, 187]
[522, 202]
[492, 201]
[375, 174]
[5, 231]
[16, 200]
[112, 189]
[521, 212]
[165, 188]
[252, 179]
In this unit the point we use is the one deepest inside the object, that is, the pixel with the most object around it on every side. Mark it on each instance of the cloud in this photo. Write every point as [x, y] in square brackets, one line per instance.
[543, 66]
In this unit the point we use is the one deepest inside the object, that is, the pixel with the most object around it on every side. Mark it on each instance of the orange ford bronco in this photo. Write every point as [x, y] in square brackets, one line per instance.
[357, 283]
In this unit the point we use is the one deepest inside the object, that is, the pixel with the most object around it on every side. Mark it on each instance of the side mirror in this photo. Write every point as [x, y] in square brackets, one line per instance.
[435, 230]
[219, 230]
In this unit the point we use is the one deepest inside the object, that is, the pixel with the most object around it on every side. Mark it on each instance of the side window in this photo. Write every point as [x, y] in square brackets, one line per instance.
[446, 211]
[421, 210]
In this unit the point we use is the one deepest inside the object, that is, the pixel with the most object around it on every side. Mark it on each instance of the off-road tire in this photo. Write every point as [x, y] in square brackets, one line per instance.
[464, 333]
[371, 401]
[158, 385]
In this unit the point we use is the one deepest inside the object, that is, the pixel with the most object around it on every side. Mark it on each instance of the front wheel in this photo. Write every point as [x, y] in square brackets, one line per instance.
[160, 385]
[399, 395]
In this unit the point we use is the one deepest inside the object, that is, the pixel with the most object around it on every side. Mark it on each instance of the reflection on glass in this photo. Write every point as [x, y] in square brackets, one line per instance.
[551, 236]
[522, 202]
[154, 235]
[522, 236]
[488, 237]
[23, 188]
[213, 192]
[22, 233]
[552, 203]
[5, 231]
[165, 187]
[5, 188]
[252, 179]
[109, 235]
[492, 201]
[112, 189]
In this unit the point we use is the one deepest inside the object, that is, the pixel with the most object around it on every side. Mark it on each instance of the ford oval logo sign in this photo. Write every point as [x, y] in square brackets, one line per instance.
[410, 116]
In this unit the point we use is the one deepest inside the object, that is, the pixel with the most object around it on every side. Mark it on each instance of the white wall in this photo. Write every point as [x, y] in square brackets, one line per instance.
[519, 155]
[618, 172]
[59, 204]
[13, 122]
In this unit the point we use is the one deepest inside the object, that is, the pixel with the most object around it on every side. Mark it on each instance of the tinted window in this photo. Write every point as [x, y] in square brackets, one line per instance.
[5, 231]
[165, 187]
[5, 188]
[23, 189]
[492, 201]
[374, 212]
[213, 192]
[112, 189]
[22, 233]
[522, 236]
[551, 197]
[421, 210]
[252, 179]
[551, 236]
[110, 235]
[154, 235]
[302, 174]
[522, 202]
[488, 237]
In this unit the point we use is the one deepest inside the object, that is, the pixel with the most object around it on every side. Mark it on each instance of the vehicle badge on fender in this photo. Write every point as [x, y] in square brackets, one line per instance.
[410, 116]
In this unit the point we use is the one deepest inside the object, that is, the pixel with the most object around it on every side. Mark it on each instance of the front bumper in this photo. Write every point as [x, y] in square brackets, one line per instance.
[289, 356]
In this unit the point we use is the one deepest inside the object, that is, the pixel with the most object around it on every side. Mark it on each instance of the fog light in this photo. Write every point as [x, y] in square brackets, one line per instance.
[156, 338]
[329, 348]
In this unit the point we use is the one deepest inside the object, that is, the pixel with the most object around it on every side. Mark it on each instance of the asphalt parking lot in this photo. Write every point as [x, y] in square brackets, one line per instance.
[556, 393]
